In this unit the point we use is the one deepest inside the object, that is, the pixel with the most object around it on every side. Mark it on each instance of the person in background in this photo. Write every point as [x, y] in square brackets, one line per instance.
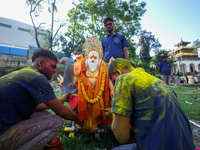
[195, 73]
[173, 80]
[78, 52]
[154, 73]
[178, 73]
[150, 107]
[24, 94]
[186, 78]
[195, 80]
[164, 69]
[181, 79]
[114, 44]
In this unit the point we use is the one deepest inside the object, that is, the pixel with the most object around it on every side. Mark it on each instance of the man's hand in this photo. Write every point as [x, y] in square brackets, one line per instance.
[61, 110]
[109, 113]
[64, 97]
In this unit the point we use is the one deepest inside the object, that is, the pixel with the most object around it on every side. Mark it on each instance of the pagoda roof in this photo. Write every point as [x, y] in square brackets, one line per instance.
[182, 42]
[182, 47]
[185, 54]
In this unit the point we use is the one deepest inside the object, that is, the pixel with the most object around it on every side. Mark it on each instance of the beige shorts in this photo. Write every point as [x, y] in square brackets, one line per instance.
[165, 78]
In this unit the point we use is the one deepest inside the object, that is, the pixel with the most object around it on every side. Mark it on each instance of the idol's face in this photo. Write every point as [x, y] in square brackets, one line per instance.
[93, 58]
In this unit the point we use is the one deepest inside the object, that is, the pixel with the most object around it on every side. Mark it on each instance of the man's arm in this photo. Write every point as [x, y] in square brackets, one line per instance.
[159, 69]
[61, 110]
[42, 106]
[121, 128]
[125, 51]
[102, 47]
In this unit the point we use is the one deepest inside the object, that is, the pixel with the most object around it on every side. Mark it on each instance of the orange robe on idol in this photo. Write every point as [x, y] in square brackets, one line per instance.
[89, 113]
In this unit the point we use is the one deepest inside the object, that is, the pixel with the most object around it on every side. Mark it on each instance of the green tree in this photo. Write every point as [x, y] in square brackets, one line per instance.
[158, 56]
[35, 8]
[51, 34]
[147, 42]
[74, 37]
[126, 15]
[18, 61]
[136, 60]
[53, 37]
[196, 43]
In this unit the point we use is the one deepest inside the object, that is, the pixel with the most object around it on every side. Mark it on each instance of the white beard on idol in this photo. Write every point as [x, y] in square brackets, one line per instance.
[93, 65]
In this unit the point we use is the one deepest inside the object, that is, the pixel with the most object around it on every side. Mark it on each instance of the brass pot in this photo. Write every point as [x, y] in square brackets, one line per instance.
[56, 146]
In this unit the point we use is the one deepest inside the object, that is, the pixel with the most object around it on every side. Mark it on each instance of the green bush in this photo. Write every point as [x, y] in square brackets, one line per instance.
[60, 68]
[11, 69]
[2, 73]
[158, 75]
[6, 71]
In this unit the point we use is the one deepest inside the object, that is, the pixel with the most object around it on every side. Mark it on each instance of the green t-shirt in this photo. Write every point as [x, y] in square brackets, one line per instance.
[156, 116]
[181, 78]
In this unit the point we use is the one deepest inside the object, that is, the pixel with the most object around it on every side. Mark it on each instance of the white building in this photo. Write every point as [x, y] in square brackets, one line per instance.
[184, 60]
[15, 39]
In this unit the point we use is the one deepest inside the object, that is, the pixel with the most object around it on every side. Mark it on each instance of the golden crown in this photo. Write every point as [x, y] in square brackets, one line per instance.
[93, 44]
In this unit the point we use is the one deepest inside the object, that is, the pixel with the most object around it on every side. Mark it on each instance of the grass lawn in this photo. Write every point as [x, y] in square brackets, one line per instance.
[85, 141]
[107, 141]
[192, 95]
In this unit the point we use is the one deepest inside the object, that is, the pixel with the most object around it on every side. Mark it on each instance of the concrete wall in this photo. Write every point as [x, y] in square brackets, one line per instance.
[12, 60]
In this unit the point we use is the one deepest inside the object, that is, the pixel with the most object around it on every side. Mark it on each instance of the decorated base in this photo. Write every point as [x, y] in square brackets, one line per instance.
[72, 132]
[69, 129]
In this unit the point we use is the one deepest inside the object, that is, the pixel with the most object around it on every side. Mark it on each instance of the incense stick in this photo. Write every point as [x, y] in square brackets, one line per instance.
[102, 109]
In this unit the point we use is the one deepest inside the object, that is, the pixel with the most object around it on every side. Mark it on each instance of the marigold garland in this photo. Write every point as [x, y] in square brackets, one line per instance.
[92, 101]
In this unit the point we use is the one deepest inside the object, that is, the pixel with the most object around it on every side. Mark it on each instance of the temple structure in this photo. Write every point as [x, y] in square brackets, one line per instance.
[184, 59]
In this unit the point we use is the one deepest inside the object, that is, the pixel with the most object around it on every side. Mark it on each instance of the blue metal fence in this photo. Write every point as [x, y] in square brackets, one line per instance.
[13, 51]
[4, 50]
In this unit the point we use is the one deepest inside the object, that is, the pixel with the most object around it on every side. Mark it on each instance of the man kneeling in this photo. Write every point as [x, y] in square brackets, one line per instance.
[151, 107]
[23, 96]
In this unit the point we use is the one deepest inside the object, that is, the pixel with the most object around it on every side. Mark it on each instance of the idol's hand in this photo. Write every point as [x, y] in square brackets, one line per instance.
[111, 94]
[77, 68]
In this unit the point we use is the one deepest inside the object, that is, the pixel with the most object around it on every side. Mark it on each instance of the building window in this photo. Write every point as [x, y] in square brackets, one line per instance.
[5, 25]
[39, 33]
[22, 29]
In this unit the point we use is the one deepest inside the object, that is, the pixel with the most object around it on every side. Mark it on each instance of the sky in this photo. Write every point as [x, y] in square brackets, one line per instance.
[171, 20]
[168, 20]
